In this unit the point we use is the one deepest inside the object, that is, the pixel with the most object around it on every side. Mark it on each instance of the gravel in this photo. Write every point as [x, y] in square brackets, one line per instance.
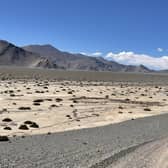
[86, 148]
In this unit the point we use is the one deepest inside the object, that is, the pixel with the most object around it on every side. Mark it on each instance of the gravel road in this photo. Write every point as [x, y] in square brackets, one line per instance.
[88, 148]
[150, 155]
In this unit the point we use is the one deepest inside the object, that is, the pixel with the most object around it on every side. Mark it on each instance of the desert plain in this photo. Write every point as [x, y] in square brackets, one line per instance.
[40, 106]
[86, 115]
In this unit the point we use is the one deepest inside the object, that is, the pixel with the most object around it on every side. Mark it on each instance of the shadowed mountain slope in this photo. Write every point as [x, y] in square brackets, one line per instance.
[81, 62]
[47, 56]
[12, 55]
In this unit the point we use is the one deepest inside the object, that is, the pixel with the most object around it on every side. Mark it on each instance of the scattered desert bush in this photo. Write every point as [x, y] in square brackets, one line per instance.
[23, 127]
[28, 122]
[58, 99]
[36, 104]
[24, 108]
[147, 109]
[38, 101]
[34, 125]
[4, 138]
[7, 128]
[7, 120]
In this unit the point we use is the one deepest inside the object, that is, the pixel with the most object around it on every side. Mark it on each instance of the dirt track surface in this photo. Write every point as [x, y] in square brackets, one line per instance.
[82, 148]
[150, 155]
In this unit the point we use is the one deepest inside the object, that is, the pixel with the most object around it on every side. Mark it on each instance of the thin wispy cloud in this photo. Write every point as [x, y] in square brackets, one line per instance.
[83, 53]
[94, 54]
[97, 54]
[131, 58]
[160, 49]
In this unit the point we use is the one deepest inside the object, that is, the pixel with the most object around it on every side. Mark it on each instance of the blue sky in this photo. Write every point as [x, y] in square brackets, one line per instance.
[103, 26]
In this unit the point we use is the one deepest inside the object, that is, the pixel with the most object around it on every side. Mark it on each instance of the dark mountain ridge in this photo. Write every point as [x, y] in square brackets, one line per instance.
[47, 56]
[12, 55]
[81, 62]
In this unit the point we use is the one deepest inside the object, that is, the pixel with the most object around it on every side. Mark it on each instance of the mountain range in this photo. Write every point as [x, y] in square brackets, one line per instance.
[47, 56]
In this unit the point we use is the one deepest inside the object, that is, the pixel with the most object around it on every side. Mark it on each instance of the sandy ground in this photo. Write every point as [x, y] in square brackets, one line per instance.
[60, 106]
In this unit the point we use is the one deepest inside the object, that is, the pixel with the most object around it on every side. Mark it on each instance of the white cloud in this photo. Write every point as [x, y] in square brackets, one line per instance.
[130, 58]
[83, 53]
[160, 49]
[96, 54]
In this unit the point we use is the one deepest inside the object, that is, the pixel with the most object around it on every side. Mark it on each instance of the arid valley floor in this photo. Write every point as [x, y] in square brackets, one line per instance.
[68, 110]
[57, 106]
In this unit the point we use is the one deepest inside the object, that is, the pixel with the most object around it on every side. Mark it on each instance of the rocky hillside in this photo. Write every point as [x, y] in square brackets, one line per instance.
[47, 56]
[12, 55]
[81, 62]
